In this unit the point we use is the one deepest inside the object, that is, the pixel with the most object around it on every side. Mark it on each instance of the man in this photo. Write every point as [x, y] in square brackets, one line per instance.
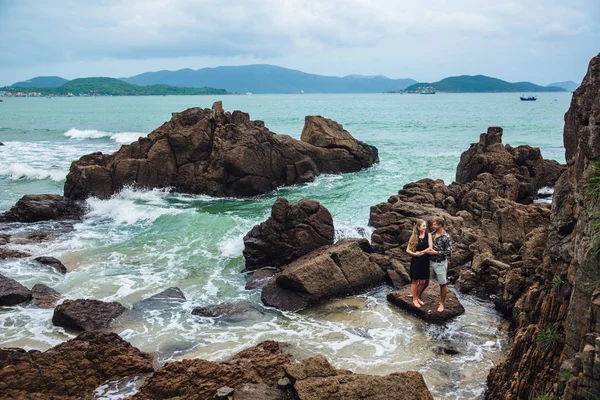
[438, 258]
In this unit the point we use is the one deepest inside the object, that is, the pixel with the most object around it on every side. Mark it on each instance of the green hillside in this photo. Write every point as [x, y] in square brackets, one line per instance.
[42, 82]
[482, 84]
[114, 87]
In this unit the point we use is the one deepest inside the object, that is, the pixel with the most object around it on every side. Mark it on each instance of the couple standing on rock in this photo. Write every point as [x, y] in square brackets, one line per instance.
[429, 259]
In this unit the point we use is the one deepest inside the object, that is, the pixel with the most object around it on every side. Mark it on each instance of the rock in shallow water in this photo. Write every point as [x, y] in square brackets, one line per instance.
[260, 278]
[204, 151]
[71, 370]
[12, 292]
[431, 298]
[230, 312]
[289, 233]
[171, 298]
[43, 207]
[44, 296]
[86, 315]
[52, 262]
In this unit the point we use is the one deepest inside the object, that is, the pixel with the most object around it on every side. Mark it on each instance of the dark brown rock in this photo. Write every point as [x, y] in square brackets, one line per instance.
[52, 262]
[6, 254]
[289, 233]
[12, 292]
[44, 296]
[200, 379]
[257, 391]
[331, 271]
[43, 207]
[71, 370]
[86, 315]
[260, 278]
[431, 298]
[230, 312]
[204, 151]
[316, 379]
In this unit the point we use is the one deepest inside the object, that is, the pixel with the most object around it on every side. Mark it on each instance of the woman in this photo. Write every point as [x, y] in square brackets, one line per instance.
[420, 241]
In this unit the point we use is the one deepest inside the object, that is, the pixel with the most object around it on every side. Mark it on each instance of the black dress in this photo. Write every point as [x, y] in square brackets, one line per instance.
[419, 266]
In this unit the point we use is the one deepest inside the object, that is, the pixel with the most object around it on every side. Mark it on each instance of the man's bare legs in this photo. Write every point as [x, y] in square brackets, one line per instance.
[443, 292]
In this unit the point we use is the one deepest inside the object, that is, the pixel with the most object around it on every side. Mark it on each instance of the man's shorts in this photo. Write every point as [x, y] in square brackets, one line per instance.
[438, 271]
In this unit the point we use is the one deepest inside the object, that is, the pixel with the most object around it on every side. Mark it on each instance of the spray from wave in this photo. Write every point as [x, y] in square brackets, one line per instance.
[23, 171]
[119, 137]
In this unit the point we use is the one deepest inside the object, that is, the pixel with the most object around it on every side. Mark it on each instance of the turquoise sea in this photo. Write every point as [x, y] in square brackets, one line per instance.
[139, 243]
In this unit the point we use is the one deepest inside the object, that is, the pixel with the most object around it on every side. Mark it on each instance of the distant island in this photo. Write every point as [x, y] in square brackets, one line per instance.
[480, 84]
[100, 87]
[569, 86]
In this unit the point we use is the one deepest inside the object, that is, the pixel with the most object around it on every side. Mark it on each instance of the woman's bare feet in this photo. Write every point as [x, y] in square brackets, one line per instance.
[441, 308]
[416, 303]
[421, 302]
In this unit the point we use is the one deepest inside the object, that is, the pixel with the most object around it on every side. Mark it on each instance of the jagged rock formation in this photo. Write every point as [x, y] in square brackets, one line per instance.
[556, 346]
[330, 271]
[204, 151]
[86, 315]
[431, 298]
[43, 207]
[12, 292]
[71, 370]
[291, 231]
[525, 163]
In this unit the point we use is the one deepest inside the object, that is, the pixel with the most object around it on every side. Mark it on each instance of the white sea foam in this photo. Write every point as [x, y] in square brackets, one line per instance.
[119, 137]
[343, 231]
[22, 171]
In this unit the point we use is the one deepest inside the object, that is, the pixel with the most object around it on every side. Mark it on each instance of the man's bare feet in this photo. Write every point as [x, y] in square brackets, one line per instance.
[441, 308]
[421, 302]
[416, 304]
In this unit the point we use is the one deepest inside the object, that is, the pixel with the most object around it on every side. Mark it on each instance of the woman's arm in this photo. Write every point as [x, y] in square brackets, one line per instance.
[413, 253]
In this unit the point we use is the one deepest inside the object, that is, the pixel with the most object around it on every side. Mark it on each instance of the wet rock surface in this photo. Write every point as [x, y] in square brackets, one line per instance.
[12, 292]
[230, 312]
[169, 299]
[431, 298]
[86, 315]
[44, 296]
[71, 370]
[291, 231]
[331, 271]
[209, 151]
[43, 207]
[6, 254]
[260, 278]
[52, 262]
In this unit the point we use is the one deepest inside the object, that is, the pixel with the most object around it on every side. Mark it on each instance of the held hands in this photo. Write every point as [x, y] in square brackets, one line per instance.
[429, 251]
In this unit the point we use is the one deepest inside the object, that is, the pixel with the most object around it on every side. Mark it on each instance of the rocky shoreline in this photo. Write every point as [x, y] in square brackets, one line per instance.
[536, 262]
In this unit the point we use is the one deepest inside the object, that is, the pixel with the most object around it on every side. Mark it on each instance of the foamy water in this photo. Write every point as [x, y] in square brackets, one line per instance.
[138, 242]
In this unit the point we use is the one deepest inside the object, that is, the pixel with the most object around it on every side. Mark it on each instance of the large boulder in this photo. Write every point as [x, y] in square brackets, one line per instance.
[71, 370]
[201, 379]
[289, 233]
[431, 298]
[43, 207]
[12, 292]
[204, 151]
[86, 315]
[331, 271]
[315, 378]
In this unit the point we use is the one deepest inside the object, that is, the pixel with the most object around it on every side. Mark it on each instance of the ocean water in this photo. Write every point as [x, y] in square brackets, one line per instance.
[139, 243]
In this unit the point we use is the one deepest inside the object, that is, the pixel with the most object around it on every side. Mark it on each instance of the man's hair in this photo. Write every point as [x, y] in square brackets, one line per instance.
[440, 221]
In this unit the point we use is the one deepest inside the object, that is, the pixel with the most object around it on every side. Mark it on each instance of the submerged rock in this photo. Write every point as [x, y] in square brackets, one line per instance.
[43, 207]
[204, 151]
[431, 298]
[230, 312]
[52, 262]
[289, 233]
[331, 271]
[71, 370]
[86, 315]
[170, 298]
[44, 296]
[260, 278]
[6, 254]
[12, 292]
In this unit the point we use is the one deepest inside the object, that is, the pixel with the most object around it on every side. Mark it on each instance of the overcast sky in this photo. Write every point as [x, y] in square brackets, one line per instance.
[535, 40]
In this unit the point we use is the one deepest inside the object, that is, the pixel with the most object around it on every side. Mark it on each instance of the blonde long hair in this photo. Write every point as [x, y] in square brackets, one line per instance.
[414, 238]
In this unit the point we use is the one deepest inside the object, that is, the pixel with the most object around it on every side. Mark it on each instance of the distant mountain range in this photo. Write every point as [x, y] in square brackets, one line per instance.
[109, 86]
[262, 78]
[569, 86]
[481, 84]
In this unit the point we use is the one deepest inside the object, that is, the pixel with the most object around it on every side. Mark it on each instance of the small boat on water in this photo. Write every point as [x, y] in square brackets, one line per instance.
[528, 98]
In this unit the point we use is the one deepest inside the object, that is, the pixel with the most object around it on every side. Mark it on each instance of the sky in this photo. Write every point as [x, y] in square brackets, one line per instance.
[540, 41]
